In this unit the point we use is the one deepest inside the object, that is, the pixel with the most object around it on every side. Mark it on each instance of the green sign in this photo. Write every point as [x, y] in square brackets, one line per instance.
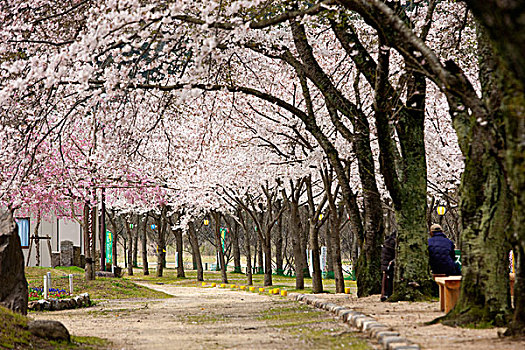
[223, 236]
[109, 247]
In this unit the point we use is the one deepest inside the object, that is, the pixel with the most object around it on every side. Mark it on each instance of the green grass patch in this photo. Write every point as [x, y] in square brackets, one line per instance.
[331, 339]
[12, 329]
[14, 335]
[282, 282]
[316, 328]
[100, 288]
[200, 319]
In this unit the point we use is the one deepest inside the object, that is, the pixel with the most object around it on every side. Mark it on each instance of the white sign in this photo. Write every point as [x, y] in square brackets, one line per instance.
[324, 252]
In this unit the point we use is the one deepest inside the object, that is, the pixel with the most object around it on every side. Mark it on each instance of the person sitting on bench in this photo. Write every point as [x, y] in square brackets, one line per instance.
[441, 252]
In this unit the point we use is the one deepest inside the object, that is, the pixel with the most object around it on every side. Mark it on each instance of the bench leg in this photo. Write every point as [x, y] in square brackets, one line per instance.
[441, 297]
[452, 289]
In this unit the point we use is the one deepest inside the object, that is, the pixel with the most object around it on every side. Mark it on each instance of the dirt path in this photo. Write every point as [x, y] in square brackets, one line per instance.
[208, 318]
[409, 319]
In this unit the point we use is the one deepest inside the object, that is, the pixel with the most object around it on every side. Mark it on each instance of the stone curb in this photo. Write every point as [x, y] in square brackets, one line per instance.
[383, 334]
[81, 300]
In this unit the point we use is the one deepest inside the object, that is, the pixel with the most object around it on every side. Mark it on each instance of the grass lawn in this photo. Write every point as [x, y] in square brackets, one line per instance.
[284, 282]
[100, 288]
[14, 335]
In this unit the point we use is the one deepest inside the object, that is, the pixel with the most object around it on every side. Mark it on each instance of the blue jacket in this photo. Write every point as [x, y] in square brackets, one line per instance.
[441, 254]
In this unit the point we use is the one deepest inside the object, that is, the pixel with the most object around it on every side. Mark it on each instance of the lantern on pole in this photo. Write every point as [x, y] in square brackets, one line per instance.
[206, 222]
[441, 210]
[153, 226]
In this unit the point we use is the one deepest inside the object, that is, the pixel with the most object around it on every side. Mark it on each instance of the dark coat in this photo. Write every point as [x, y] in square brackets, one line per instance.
[441, 254]
[388, 251]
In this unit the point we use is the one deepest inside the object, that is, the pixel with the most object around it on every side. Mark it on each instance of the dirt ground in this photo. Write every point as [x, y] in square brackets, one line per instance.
[208, 318]
[409, 319]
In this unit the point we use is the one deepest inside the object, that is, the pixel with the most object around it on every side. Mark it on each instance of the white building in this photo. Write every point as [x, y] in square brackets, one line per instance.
[57, 229]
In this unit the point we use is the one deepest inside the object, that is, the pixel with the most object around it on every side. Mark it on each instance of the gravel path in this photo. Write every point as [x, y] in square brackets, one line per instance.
[203, 318]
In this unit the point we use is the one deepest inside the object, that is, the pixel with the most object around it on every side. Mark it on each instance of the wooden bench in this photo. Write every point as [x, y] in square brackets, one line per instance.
[449, 287]
[448, 291]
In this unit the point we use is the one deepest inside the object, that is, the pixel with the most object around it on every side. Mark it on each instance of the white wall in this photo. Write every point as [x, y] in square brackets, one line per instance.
[59, 230]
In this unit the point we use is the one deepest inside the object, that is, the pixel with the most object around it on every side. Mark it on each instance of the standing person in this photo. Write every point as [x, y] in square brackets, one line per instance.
[388, 253]
[441, 252]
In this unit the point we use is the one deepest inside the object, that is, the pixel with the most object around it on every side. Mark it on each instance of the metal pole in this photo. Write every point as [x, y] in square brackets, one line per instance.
[49, 285]
[70, 284]
[46, 288]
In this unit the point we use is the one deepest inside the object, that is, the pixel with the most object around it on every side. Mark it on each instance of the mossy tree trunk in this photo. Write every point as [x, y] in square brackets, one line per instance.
[503, 22]
[485, 203]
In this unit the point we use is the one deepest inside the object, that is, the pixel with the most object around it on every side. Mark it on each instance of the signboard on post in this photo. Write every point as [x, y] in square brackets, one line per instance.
[109, 247]
[324, 252]
[223, 236]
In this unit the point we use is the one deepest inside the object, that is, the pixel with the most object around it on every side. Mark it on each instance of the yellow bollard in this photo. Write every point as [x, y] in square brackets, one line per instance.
[233, 286]
[276, 291]
[261, 290]
[284, 293]
[204, 284]
[213, 285]
[243, 287]
[223, 285]
[252, 289]
[347, 290]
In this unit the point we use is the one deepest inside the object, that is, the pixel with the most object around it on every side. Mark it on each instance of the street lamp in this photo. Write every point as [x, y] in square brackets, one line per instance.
[206, 222]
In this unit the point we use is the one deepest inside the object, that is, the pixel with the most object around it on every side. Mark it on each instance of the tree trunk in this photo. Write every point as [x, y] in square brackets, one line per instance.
[260, 267]
[267, 246]
[249, 278]
[329, 253]
[196, 253]
[217, 218]
[279, 245]
[129, 232]
[236, 249]
[161, 244]
[135, 243]
[88, 243]
[180, 260]
[37, 241]
[335, 223]
[485, 206]
[317, 278]
[144, 235]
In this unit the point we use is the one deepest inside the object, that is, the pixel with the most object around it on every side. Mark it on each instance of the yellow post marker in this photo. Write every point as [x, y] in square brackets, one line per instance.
[261, 290]
[347, 290]
[252, 289]
[284, 293]
[233, 286]
[203, 284]
[213, 285]
[276, 291]
[223, 285]
[243, 287]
